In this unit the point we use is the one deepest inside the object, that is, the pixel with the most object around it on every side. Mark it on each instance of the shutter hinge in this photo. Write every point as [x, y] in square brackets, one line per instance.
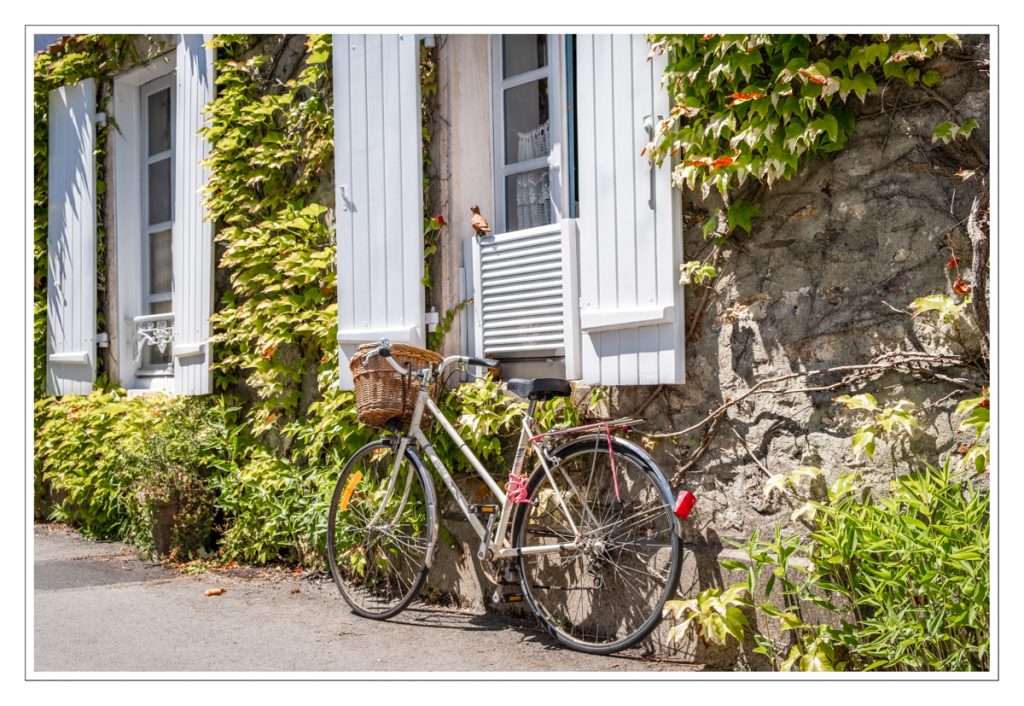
[102, 340]
[432, 319]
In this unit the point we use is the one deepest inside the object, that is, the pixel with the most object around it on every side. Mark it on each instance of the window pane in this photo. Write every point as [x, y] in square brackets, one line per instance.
[154, 358]
[160, 262]
[160, 191]
[528, 200]
[527, 131]
[160, 121]
[524, 52]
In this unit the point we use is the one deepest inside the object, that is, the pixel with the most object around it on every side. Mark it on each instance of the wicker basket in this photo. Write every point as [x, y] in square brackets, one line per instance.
[381, 393]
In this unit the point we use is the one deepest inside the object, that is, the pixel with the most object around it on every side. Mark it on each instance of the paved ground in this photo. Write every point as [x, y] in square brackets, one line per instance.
[98, 609]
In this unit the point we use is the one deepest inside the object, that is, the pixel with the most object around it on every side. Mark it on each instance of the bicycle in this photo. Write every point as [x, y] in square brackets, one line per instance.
[590, 534]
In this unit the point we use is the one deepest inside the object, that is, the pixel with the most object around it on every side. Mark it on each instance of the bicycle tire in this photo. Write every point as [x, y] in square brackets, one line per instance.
[608, 594]
[379, 560]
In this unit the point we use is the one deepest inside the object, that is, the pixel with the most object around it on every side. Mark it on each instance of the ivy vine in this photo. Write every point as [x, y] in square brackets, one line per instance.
[271, 133]
[750, 109]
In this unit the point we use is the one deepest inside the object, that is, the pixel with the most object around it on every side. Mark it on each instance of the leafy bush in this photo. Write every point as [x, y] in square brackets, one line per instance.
[905, 577]
[914, 567]
[112, 466]
[274, 509]
[166, 448]
[77, 464]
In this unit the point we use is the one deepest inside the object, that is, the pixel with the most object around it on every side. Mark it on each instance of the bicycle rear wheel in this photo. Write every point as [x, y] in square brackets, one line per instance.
[381, 530]
[608, 593]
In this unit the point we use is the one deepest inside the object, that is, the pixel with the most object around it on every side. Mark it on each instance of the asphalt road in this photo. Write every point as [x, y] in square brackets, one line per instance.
[98, 609]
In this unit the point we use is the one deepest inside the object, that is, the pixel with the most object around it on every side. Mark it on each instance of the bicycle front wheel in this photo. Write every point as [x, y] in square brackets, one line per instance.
[607, 593]
[381, 530]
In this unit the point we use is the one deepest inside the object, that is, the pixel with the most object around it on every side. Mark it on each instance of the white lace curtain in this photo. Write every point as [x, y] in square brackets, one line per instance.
[533, 192]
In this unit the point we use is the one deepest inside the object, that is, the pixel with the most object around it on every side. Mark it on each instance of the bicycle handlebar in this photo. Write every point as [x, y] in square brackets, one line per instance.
[384, 351]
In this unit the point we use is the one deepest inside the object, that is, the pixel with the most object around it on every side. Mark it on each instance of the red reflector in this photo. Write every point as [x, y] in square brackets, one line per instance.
[684, 503]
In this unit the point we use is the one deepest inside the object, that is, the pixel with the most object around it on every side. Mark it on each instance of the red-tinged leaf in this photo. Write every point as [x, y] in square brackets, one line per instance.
[953, 262]
[961, 287]
[741, 97]
[706, 37]
[820, 80]
[696, 162]
[439, 219]
[722, 162]
[984, 404]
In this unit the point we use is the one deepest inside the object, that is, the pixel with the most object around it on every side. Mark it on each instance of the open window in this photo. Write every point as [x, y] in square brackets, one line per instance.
[580, 275]
[164, 245]
[524, 276]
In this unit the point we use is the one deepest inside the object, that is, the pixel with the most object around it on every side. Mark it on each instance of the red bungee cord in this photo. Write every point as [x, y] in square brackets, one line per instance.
[516, 488]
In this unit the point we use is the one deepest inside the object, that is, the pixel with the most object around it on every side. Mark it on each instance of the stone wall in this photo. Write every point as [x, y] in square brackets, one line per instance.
[824, 280]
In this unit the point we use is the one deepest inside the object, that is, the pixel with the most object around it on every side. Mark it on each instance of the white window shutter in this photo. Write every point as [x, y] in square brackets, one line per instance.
[378, 191]
[630, 240]
[526, 302]
[71, 241]
[192, 251]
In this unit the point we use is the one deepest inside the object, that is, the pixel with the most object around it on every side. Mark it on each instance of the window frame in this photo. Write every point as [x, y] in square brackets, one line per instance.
[556, 120]
[129, 273]
[146, 229]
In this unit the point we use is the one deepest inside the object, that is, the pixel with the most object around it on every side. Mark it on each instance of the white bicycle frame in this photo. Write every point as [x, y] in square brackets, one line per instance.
[496, 545]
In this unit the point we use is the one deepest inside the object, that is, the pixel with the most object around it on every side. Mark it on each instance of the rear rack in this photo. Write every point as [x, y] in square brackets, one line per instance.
[623, 423]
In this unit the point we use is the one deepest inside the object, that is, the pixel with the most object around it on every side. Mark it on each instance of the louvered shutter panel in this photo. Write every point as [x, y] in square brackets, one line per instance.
[192, 253]
[525, 301]
[630, 240]
[378, 178]
[71, 241]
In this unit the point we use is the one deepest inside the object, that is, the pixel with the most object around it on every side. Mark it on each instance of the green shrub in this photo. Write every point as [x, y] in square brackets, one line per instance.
[914, 567]
[113, 467]
[905, 577]
[166, 450]
[264, 498]
[77, 462]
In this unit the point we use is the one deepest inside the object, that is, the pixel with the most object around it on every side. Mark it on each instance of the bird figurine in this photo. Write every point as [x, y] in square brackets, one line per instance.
[478, 222]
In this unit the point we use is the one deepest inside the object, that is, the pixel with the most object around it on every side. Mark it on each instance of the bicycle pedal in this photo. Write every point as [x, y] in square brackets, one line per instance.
[512, 598]
[483, 509]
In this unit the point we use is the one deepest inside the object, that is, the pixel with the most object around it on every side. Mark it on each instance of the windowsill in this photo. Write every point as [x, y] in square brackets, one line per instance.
[154, 374]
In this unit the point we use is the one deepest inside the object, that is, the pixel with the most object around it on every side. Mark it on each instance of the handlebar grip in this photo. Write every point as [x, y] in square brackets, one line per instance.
[485, 362]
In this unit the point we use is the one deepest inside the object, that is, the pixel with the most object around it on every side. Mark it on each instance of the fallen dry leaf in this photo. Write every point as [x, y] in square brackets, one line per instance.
[296, 590]
[215, 591]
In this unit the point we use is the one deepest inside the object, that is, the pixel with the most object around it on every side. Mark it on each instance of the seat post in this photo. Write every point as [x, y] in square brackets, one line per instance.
[530, 408]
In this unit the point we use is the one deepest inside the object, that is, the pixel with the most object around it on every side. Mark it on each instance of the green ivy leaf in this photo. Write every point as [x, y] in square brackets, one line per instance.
[711, 224]
[864, 401]
[948, 131]
[864, 441]
[318, 57]
[741, 214]
[696, 272]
